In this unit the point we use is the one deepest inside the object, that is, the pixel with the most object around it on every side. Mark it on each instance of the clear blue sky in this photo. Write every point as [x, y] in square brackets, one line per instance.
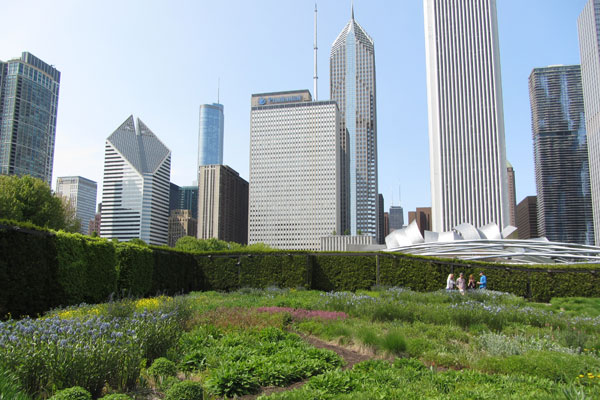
[160, 60]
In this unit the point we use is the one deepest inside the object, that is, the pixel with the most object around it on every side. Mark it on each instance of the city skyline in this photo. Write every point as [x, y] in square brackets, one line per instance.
[96, 90]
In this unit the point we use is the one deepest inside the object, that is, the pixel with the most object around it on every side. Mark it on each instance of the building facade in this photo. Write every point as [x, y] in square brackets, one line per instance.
[466, 123]
[381, 224]
[296, 170]
[81, 193]
[181, 223]
[96, 223]
[135, 192]
[589, 50]
[345, 242]
[352, 86]
[527, 222]
[28, 107]
[422, 216]
[562, 173]
[222, 204]
[210, 136]
[184, 198]
[396, 218]
[512, 194]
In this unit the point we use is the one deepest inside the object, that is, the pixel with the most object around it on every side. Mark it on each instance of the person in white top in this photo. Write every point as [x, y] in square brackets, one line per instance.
[450, 282]
[461, 282]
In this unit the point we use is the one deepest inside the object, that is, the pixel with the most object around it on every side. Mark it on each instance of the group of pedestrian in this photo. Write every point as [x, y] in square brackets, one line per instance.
[463, 285]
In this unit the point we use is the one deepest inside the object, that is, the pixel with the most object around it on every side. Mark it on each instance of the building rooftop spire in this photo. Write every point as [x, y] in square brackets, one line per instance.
[352, 9]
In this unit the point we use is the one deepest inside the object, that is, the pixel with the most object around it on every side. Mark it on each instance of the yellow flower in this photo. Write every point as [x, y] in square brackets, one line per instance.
[581, 376]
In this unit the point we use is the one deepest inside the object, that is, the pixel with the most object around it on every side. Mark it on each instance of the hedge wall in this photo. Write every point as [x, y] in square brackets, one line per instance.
[41, 269]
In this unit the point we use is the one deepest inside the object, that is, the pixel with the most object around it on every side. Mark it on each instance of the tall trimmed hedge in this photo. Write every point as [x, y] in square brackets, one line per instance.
[86, 268]
[28, 271]
[41, 269]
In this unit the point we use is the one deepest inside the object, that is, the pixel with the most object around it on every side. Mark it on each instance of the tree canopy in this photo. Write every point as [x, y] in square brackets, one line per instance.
[29, 199]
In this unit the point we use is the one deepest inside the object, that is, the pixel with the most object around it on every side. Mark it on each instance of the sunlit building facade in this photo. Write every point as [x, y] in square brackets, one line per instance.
[466, 122]
[28, 108]
[352, 86]
[81, 194]
[135, 192]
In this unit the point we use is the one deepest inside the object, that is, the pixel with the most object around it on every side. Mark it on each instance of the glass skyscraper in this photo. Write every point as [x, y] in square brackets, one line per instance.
[28, 106]
[135, 192]
[564, 202]
[210, 136]
[352, 86]
[589, 49]
[466, 120]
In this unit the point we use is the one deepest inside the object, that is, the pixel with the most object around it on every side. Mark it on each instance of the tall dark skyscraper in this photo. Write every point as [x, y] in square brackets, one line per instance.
[352, 80]
[564, 202]
[28, 106]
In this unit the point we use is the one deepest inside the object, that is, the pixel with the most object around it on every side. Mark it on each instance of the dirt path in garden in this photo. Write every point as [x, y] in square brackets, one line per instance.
[350, 356]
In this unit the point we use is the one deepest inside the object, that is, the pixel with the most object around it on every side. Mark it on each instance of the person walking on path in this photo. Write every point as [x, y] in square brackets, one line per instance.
[450, 282]
[461, 283]
[482, 281]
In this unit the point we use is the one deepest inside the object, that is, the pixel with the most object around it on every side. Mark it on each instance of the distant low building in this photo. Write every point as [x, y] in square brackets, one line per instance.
[346, 242]
[181, 223]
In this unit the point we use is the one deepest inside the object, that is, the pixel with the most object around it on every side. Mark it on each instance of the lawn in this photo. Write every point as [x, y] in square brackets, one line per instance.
[275, 343]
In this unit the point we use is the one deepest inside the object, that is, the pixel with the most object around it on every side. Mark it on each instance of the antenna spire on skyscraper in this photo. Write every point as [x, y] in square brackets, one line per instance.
[315, 77]
[352, 9]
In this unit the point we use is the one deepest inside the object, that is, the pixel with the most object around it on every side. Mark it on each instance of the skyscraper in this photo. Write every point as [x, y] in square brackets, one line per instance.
[184, 198]
[512, 194]
[564, 202]
[396, 218]
[527, 222]
[28, 106]
[222, 204]
[210, 136]
[589, 49]
[135, 193]
[466, 123]
[81, 193]
[352, 86]
[296, 168]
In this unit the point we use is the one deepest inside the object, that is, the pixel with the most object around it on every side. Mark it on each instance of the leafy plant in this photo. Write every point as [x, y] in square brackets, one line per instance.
[186, 390]
[72, 393]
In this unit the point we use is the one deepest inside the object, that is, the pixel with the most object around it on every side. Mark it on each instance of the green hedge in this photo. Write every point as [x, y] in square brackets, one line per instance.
[28, 272]
[41, 269]
[86, 268]
[135, 266]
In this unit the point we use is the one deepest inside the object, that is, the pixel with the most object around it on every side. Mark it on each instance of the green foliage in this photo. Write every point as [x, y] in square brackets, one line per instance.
[187, 390]
[116, 396]
[393, 342]
[86, 268]
[191, 244]
[28, 272]
[10, 387]
[162, 367]
[343, 272]
[28, 199]
[576, 305]
[264, 270]
[135, 265]
[175, 272]
[72, 393]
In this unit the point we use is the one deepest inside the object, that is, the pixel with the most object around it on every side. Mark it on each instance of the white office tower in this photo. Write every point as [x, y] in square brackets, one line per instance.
[81, 194]
[466, 123]
[352, 86]
[135, 192]
[296, 166]
[589, 43]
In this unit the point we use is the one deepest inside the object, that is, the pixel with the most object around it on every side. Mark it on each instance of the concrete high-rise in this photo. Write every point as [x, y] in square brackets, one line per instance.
[466, 123]
[81, 193]
[296, 170]
[527, 222]
[135, 192]
[352, 86]
[210, 136]
[512, 194]
[28, 107]
[222, 204]
[589, 49]
[181, 223]
[564, 202]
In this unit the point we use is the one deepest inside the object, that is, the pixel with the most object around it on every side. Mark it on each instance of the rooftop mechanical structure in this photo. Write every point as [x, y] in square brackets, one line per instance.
[488, 243]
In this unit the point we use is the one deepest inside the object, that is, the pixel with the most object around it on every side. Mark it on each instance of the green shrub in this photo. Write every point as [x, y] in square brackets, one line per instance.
[72, 393]
[186, 390]
[332, 382]
[116, 396]
[162, 367]
[174, 272]
[368, 337]
[343, 272]
[135, 265]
